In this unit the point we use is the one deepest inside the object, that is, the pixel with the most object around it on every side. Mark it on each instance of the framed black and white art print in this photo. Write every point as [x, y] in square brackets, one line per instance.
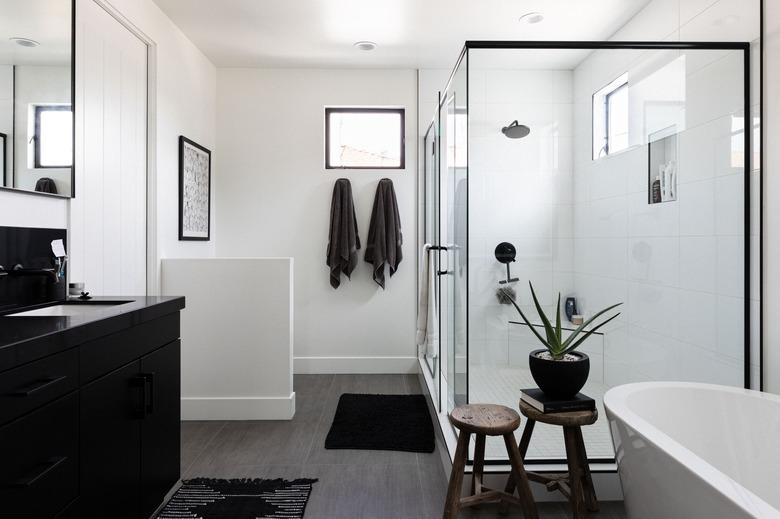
[194, 191]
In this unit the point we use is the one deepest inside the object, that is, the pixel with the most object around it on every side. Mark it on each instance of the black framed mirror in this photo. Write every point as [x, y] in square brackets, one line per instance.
[37, 96]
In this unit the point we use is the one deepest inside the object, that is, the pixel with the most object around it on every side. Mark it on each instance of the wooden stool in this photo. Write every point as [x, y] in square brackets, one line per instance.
[577, 485]
[486, 420]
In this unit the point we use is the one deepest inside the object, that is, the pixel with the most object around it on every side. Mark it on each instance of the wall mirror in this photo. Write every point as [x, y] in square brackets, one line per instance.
[36, 96]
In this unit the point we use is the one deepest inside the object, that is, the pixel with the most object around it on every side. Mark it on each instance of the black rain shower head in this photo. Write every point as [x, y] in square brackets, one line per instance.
[516, 130]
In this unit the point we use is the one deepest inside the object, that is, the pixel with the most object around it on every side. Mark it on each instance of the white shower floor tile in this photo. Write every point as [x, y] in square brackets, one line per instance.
[502, 385]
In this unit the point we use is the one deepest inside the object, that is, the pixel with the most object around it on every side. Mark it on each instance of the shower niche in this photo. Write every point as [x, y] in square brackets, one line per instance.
[631, 225]
[663, 164]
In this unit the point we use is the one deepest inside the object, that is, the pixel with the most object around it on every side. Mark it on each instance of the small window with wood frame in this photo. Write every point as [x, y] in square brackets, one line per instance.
[364, 138]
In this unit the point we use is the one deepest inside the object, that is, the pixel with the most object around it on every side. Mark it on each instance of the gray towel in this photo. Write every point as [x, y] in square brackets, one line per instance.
[343, 240]
[46, 185]
[384, 232]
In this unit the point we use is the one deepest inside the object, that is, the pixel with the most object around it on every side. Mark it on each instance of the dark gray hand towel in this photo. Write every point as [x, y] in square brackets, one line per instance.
[384, 232]
[46, 185]
[343, 240]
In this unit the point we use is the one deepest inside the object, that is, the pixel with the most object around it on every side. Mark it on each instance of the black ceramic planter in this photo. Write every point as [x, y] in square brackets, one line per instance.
[559, 379]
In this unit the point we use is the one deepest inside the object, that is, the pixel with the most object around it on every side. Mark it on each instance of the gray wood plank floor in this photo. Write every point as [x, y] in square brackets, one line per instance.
[352, 483]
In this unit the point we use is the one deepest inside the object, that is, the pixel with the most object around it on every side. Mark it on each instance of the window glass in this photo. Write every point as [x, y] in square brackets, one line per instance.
[53, 137]
[365, 138]
[617, 125]
[610, 118]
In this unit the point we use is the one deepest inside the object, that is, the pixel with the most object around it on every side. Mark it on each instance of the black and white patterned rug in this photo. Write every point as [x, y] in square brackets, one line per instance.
[204, 498]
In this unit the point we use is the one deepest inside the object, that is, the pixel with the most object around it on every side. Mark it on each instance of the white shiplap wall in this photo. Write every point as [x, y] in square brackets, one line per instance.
[108, 215]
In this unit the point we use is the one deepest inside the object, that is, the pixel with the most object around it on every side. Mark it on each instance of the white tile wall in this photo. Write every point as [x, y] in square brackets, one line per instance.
[520, 191]
[678, 266]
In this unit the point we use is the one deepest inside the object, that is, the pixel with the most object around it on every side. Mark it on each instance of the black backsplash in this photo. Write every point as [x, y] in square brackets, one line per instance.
[30, 248]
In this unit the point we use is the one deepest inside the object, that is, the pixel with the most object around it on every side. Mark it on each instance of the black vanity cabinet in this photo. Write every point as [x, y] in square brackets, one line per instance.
[130, 421]
[130, 435]
[94, 430]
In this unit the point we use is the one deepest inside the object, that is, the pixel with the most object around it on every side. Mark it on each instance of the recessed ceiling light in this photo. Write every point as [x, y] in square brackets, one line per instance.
[365, 45]
[24, 42]
[532, 18]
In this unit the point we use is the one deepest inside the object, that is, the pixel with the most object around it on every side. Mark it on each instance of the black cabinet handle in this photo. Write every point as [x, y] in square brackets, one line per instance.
[144, 382]
[38, 385]
[30, 480]
[148, 393]
[139, 382]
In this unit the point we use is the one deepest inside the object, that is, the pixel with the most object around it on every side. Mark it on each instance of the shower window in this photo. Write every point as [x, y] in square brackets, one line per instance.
[610, 118]
[364, 138]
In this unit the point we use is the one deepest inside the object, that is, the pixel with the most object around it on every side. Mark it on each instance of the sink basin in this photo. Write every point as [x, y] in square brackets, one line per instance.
[69, 309]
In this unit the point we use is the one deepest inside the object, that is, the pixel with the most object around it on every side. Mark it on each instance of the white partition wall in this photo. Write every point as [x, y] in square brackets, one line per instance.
[237, 336]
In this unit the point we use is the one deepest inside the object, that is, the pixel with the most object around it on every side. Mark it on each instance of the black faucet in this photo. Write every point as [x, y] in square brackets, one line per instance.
[19, 271]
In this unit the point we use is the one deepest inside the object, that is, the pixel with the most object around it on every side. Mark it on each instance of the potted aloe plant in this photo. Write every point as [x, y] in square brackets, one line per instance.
[558, 369]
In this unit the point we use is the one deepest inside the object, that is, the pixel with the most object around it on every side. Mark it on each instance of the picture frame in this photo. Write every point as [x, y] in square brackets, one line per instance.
[194, 191]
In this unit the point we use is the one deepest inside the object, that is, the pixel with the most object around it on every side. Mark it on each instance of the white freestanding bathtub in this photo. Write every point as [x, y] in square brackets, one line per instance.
[695, 451]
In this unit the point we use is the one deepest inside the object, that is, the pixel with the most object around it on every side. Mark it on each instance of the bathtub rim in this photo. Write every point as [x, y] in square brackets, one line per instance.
[616, 408]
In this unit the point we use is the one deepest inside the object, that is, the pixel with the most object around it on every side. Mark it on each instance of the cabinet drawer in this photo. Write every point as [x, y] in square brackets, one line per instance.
[39, 471]
[35, 384]
[108, 353]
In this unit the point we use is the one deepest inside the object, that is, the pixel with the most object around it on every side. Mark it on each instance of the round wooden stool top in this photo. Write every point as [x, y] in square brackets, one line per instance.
[488, 419]
[566, 419]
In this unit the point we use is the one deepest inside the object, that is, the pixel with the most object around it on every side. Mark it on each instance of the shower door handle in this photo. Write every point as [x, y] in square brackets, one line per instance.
[445, 253]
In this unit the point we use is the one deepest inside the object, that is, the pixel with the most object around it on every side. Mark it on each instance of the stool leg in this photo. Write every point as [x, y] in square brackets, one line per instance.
[479, 465]
[575, 472]
[452, 504]
[525, 441]
[521, 479]
[591, 502]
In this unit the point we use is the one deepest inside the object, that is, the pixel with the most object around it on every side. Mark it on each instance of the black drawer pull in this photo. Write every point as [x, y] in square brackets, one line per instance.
[149, 393]
[27, 481]
[144, 382]
[38, 385]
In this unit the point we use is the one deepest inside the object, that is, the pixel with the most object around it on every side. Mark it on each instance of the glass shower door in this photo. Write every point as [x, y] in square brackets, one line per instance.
[431, 351]
[453, 230]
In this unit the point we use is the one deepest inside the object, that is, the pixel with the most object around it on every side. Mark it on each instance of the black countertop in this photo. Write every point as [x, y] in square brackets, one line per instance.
[27, 338]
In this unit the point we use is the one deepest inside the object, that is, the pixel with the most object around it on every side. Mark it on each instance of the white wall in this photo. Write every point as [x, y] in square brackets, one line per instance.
[274, 198]
[19, 209]
[519, 192]
[182, 102]
[108, 216]
[771, 126]
[236, 362]
[678, 265]
[714, 20]
[184, 92]
[38, 85]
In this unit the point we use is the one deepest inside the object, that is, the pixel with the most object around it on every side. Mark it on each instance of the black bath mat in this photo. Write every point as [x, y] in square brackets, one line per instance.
[238, 499]
[382, 422]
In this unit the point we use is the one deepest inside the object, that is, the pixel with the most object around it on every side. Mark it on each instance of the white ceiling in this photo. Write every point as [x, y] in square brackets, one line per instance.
[410, 33]
[46, 21]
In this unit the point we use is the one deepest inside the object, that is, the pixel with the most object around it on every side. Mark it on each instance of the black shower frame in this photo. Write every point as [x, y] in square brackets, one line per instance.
[747, 173]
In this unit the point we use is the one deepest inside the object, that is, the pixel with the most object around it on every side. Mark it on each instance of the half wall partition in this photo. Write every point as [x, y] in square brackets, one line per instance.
[632, 185]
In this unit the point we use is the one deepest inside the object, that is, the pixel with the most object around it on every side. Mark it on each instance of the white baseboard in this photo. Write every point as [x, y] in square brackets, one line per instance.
[355, 365]
[238, 408]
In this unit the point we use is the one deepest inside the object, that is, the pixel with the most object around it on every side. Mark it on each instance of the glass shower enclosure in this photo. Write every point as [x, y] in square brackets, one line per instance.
[632, 185]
